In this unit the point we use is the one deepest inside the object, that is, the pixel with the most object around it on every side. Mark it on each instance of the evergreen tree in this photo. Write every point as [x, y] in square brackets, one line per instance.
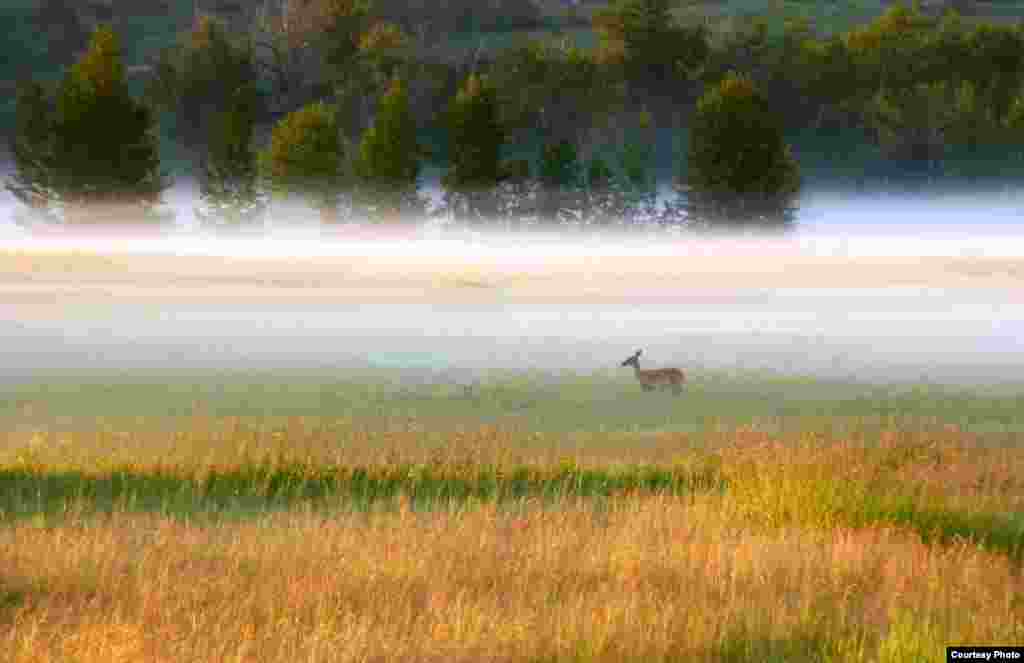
[643, 37]
[228, 173]
[741, 173]
[305, 158]
[517, 193]
[198, 79]
[638, 185]
[32, 146]
[560, 176]
[604, 205]
[100, 158]
[389, 158]
[475, 138]
[557, 89]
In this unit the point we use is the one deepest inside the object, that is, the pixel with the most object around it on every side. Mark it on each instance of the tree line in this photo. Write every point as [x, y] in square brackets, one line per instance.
[351, 144]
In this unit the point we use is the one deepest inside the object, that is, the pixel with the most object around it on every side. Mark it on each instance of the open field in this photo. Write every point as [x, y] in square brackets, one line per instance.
[313, 540]
[505, 493]
[454, 308]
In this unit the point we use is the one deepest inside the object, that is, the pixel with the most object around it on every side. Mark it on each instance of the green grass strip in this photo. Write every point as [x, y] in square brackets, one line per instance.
[28, 492]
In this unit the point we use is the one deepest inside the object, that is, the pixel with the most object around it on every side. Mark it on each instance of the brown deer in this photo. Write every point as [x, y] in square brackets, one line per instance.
[658, 377]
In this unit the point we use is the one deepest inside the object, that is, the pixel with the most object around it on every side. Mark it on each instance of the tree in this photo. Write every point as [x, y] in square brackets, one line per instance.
[560, 177]
[475, 138]
[96, 152]
[389, 158]
[653, 50]
[604, 204]
[916, 124]
[556, 89]
[32, 146]
[228, 173]
[517, 192]
[638, 185]
[286, 34]
[741, 173]
[198, 79]
[305, 158]
[361, 55]
[887, 50]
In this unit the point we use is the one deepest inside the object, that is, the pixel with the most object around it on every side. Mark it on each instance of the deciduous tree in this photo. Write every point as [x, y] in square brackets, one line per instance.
[306, 158]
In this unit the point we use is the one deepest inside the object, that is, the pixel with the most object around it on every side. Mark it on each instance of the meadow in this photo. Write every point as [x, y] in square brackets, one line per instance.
[521, 516]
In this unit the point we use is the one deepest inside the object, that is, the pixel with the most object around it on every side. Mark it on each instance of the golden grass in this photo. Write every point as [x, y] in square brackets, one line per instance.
[853, 547]
[647, 578]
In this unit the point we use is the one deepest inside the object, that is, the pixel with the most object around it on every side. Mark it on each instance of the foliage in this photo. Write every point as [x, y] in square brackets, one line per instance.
[198, 78]
[921, 121]
[475, 136]
[740, 171]
[638, 182]
[604, 205]
[561, 182]
[920, 85]
[995, 65]
[886, 50]
[643, 37]
[556, 90]
[305, 158]
[32, 145]
[517, 193]
[228, 172]
[452, 17]
[294, 41]
[389, 158]
[924, 90]
[361, 54]
[96, 151]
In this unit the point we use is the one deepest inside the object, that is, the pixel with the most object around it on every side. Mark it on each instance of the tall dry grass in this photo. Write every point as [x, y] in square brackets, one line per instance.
[793, 547]
[646, 578]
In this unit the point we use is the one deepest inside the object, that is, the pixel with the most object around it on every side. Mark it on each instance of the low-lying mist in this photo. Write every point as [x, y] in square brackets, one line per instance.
[896, 300]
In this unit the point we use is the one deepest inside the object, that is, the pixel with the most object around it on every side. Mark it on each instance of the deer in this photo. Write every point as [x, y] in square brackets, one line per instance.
[658, 377]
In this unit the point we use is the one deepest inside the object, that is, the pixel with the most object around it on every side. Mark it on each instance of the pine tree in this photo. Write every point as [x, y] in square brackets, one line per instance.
[561, 181]
[198, 78]
[604, 204]
[475, 139]
[305, 158]
[741, 173]
[643, 36]
[32, 145]
[96, 152]
[638, 184]
[228, 174]
[389, 158]
[517, 193]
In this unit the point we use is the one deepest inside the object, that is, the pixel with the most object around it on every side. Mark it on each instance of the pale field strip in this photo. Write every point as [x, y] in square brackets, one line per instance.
[29, 278]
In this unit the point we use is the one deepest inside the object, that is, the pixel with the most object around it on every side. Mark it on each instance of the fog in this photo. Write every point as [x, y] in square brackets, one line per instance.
[884, 290]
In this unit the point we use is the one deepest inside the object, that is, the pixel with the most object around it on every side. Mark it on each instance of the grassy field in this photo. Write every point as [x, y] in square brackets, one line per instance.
[523, 517]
